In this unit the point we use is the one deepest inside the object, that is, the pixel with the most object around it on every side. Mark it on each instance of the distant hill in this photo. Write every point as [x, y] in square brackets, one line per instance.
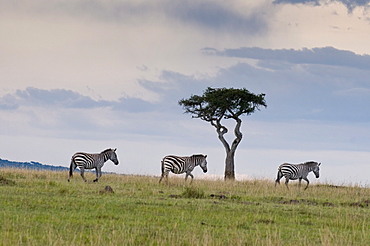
[30, 165]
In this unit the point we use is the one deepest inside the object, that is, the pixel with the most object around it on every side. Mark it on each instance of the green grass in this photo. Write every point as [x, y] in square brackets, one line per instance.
[42, 208]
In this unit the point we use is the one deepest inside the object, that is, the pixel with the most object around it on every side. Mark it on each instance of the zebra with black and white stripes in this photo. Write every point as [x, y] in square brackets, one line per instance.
[90, 161]
[297, 171]
[185, 164]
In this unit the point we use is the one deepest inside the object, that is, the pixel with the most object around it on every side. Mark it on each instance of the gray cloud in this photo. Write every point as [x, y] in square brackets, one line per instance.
[350, 4]
[67, 99]
[8, 102]
[68, 114]
[210, 15]
[305, 92]
[310, 2]
[324, 84]
[55, 97]
[324, 56]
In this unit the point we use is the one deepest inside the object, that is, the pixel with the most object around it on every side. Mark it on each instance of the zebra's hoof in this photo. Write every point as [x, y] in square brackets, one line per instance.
[95, 180]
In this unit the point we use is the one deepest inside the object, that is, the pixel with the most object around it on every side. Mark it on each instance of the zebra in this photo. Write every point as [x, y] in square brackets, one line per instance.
[185, 164]
[299, 171]
[90, 161]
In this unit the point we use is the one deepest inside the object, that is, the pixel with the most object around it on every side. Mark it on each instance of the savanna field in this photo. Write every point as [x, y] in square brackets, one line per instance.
[42, 208]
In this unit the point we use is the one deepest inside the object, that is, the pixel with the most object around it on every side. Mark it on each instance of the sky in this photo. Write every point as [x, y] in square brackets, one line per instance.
[87, 75]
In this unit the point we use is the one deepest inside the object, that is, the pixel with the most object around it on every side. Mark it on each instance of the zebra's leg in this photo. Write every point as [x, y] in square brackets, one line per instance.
[307, 183]
[164, 174]
[161, 178]
[82, 170]
[167, 177]
[286, 182]
[186, 177]
[192, 177]
[98, 174]
[299, 183]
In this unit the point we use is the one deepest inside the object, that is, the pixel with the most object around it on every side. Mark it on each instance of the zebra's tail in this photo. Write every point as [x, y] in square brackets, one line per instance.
[162, 168]
[72, 167]
[279, 176]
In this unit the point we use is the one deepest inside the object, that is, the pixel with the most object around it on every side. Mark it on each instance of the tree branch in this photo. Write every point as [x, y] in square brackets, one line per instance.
[238, 135]
[221, 130]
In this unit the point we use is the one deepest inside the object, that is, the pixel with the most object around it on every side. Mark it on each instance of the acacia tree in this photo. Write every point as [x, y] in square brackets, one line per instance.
[217, 104]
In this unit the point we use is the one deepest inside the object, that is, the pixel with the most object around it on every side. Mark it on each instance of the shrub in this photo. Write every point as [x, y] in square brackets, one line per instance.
[190, 192]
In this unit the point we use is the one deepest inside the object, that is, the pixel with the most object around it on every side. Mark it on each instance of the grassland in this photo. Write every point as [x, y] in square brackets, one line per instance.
[42, 208]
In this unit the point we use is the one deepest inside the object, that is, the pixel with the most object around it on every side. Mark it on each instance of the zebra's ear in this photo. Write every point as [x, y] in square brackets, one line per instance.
[115, 149]
[205, 156]
[319, 164]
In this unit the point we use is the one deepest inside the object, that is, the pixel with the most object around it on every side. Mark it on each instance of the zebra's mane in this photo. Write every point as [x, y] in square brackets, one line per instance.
[197, 155]
[310, 163]
[105, 151]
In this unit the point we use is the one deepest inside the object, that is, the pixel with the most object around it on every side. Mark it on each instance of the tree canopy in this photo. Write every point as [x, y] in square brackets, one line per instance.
[218, 103]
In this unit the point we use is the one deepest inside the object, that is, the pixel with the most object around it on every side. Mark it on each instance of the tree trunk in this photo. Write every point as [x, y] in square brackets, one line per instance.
[230, 151]
[229, 166]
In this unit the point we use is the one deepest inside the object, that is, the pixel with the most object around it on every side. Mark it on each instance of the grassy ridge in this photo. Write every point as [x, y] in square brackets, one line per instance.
[42, 208]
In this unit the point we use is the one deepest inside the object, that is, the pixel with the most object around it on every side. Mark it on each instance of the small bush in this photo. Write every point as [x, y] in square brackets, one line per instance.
[63, 191]
[4, 181]
[190, 192]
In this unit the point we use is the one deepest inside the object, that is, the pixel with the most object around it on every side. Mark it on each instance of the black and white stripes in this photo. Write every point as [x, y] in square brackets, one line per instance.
[178, 165]
[90, 161]
[299, 171]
